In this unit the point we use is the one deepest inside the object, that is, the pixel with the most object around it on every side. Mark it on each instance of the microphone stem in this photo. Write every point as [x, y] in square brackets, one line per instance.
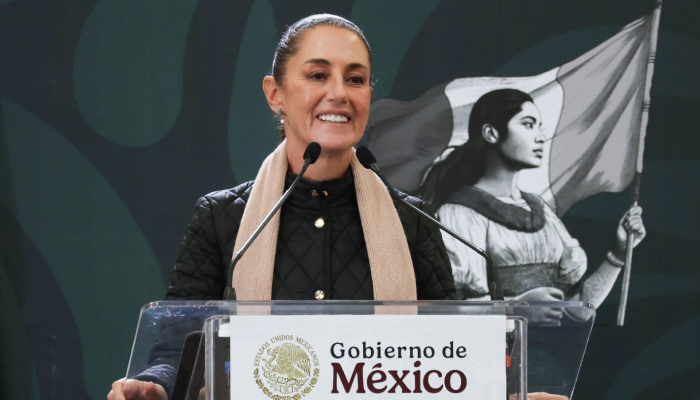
[229, 292]
[496, 290]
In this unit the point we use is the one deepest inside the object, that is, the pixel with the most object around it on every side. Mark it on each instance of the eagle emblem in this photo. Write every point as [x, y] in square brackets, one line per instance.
[286, 371]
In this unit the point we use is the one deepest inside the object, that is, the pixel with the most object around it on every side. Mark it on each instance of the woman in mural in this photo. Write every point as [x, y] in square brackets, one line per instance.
[474, 191]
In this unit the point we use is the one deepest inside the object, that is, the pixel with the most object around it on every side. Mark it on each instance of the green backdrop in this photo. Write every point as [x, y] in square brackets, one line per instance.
[115, 116]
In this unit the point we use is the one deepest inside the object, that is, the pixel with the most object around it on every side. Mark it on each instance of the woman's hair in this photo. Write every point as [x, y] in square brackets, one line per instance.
[289, 44]
[466, 164]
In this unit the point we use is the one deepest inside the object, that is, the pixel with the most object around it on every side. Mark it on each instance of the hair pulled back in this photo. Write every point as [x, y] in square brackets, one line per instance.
[466, 164]
[288, 45]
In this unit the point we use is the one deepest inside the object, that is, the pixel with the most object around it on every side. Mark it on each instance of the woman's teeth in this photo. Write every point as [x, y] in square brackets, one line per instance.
[333, 118]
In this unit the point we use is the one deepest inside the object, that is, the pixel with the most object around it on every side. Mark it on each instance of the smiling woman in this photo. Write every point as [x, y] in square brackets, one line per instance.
[339, 235]
[324, 95]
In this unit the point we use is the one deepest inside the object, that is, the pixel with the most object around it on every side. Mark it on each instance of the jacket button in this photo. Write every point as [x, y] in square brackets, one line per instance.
[319, 223]
[319, 295]
[314, 194]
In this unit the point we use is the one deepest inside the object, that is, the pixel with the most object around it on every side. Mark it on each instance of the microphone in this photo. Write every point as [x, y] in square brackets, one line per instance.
[311, 154]
[368, 161]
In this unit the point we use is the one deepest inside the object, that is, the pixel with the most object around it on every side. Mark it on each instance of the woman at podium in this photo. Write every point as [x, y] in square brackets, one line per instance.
[339, 235]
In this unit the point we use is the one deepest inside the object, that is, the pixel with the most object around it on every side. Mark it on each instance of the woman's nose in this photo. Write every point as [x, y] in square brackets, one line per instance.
[539, 138]
[337, 92]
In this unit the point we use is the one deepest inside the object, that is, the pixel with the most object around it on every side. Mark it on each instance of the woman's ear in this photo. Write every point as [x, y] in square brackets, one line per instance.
[272, 94]
[489, 133]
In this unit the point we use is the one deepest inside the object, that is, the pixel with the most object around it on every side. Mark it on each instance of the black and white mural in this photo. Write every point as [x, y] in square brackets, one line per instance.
[501, 159]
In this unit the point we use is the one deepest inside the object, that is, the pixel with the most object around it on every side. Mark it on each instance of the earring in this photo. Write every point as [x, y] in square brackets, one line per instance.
[281, 113]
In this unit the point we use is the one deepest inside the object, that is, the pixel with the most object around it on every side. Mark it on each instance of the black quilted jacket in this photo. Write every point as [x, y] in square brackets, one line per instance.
[331, 258]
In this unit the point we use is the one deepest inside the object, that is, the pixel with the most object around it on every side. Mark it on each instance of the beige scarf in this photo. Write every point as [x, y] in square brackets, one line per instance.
[389, 258]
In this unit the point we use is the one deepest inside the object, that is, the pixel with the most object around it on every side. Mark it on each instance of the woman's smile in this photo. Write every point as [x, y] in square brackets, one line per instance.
[337, 118]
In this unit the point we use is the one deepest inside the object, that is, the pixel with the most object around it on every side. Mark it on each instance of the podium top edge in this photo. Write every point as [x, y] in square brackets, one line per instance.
[361, 303]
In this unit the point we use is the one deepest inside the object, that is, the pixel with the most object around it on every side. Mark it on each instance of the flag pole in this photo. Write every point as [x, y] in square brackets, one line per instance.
[653, 39]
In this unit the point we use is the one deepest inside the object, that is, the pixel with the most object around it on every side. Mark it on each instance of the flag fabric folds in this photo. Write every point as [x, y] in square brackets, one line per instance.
[591, 111]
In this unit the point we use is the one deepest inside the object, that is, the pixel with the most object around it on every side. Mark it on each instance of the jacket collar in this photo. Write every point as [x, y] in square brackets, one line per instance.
[321, 195]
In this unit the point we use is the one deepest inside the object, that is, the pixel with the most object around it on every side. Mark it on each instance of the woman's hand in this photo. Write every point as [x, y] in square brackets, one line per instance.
[543, 315]
[544, 293]
[631, 222]
[539, 396]
[131, 389]
[545, 396]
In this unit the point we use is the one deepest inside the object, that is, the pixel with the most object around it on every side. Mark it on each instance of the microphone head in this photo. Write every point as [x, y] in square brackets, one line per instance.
[365, 156]
[313, 150]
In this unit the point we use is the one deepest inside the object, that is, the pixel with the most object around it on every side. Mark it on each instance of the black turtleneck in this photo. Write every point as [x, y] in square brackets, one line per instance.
[321, 245]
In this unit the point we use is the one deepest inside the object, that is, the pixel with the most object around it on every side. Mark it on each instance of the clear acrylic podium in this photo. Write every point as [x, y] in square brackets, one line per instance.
[545, 341]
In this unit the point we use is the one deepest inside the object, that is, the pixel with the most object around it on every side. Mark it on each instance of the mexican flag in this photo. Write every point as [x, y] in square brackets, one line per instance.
[592, 110]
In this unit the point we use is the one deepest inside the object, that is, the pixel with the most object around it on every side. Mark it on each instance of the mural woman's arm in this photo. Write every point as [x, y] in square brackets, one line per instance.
[599, 284]
[468, 267]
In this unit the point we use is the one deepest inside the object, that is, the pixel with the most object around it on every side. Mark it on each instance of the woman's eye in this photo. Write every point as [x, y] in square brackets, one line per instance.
[318, 76]
[356, 80]
[530, 125]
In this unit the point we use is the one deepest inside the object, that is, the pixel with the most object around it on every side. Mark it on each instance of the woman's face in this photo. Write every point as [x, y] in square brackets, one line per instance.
[524, 145]
[326, 93]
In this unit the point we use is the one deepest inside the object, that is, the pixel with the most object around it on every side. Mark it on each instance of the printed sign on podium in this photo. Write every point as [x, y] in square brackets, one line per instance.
[294, 350]
[316, 356]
